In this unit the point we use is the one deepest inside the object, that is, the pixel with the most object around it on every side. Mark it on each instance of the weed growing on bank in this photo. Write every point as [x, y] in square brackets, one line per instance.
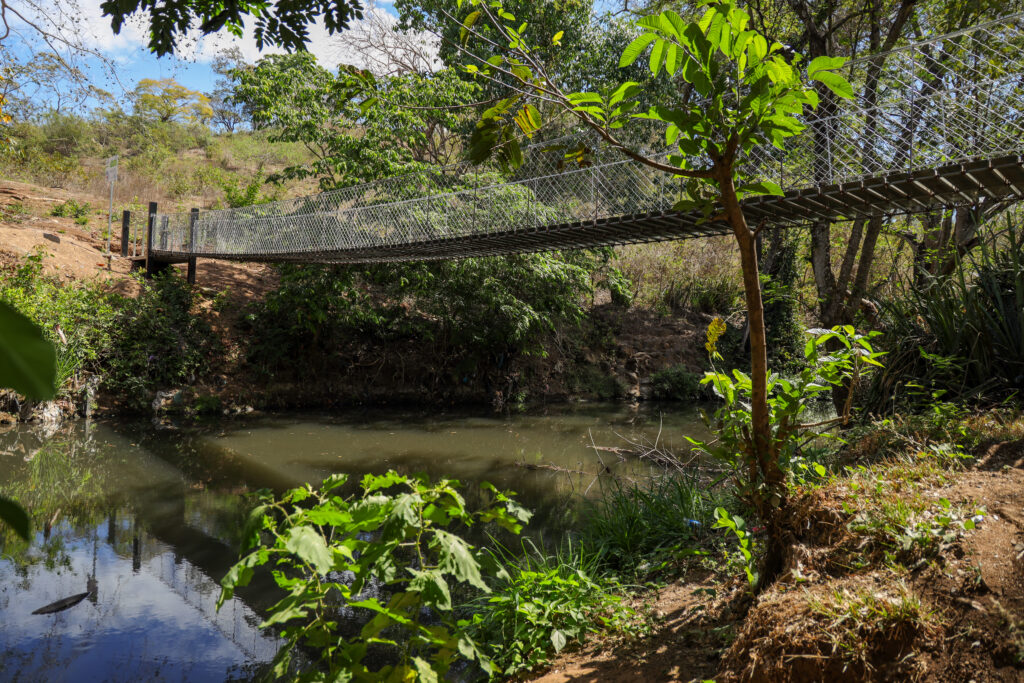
[543, 601]
[133, 345]
[640, 529]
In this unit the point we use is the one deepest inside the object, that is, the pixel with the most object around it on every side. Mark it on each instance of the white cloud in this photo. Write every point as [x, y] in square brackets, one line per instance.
[362, 45]
[83, 24]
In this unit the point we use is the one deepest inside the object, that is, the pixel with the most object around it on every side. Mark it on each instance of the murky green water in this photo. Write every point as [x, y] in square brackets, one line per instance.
[145, 519]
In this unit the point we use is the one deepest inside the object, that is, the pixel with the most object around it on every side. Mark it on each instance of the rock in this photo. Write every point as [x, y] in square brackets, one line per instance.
[168, 400]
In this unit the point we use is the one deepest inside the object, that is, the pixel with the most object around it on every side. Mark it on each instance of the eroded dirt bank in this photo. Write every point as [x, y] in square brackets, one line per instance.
[902, 570]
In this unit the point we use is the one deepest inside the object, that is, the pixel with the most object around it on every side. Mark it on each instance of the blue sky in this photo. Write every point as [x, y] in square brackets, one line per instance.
[132, 61]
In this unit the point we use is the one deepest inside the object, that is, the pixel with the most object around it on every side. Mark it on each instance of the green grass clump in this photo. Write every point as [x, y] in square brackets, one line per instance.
[641, 528]
[72, 208]
[543, 602]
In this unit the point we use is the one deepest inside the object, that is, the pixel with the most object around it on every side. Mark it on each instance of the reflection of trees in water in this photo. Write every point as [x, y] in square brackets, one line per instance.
[54, 481]
[85, 495]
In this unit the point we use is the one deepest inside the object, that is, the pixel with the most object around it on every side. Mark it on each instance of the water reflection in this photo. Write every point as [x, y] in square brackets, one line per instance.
[117, 523]
[146, 519]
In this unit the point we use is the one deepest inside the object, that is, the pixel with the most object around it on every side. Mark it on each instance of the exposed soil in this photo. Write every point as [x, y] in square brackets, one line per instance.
[692, 619]
[75, 252]
[954, 617]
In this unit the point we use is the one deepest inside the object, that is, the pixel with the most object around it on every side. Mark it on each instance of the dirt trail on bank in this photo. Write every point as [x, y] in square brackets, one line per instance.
[956, 618]
[75, 252]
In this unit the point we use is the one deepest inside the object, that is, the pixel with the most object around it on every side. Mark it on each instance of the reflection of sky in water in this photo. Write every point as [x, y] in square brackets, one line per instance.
[159, 623]
[178, 493]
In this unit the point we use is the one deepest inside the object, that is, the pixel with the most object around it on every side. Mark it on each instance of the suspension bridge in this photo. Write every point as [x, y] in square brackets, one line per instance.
[937, 124]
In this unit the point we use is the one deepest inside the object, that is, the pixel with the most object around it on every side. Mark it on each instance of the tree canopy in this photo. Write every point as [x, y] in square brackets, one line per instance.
[280, 24]
[166, 100]
[411, 119]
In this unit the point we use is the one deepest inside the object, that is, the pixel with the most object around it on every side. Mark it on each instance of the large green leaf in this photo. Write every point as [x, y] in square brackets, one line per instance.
[633, 50]
[824, 63]
[28, 362]
[311, 547]
[836, 83]
[457, 559]
[434, 588]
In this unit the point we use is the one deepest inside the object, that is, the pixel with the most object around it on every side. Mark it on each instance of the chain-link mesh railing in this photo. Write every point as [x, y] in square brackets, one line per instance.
[953, 98]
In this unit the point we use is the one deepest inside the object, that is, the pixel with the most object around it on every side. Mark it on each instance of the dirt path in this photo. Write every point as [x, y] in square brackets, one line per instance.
[76, 252]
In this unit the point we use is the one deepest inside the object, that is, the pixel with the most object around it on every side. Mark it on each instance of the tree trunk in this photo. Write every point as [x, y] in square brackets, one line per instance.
[769, 497]
[745, 238]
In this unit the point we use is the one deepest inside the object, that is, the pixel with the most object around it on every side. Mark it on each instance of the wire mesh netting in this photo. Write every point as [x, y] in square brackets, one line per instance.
[952, 98]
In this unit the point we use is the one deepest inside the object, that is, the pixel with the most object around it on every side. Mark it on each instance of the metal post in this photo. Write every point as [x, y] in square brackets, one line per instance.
[150, 227]
[126, 224]
[593, 190]
[193, 217]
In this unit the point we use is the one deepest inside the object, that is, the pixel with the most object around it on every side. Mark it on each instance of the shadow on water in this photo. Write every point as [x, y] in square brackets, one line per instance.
[146, 519]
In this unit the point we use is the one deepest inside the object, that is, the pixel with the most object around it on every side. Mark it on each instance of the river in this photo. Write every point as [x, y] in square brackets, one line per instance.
[145, 518]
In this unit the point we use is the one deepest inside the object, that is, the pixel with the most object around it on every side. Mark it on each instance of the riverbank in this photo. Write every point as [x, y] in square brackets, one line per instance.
[905, 564]
[128, 347]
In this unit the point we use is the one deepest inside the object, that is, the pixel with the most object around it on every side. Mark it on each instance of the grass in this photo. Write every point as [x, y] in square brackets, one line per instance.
[641, 529]
[671, 276]
[179, 166]
[849, 619]
[545, 602]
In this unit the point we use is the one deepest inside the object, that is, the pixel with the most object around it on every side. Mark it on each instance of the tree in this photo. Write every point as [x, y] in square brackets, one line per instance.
[862, 28]
[405, 123]
[43, 83]
[167, 100]
[227, 113]
[542, 19]
[384, 49]
[746, 92]
[281, 24]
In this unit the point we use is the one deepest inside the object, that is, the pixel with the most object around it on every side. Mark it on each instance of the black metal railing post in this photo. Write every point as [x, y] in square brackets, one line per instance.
[150, 227]
[126, 224]
[193, 218]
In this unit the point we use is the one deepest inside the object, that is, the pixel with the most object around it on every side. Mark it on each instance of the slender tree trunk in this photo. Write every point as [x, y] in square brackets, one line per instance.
[745, 238]
[768, 481]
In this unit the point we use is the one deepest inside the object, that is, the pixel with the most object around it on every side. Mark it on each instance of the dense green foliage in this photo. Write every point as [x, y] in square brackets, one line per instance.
[677, 383]
[468, 309]
[135, 345]
[639, 529]
[542, 602]
[27, 365]
[157, 341]
[788, 402]
[405, 126]
[961, 335]
[396, 541]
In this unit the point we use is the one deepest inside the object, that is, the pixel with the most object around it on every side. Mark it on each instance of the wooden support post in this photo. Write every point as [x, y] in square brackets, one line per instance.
[151, 266]
[193, 218]
[126, 223]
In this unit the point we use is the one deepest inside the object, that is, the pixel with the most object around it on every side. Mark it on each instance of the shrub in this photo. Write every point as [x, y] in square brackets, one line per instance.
[391, 552]
[157, 341]
[960, 336]
[478, 307]
[77, 318]
[676, 383]
[73, 209]
[540, 603]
